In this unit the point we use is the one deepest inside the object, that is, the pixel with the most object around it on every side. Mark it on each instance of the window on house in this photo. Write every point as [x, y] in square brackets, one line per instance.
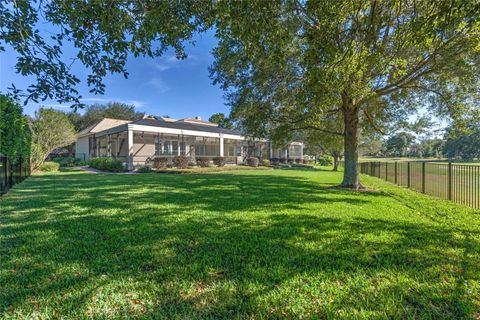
[158, 146]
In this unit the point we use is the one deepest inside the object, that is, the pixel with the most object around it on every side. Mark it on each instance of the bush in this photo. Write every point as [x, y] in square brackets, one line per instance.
[219, 161]
[160, 162]
[203, 161]
[283, 160]
[107, 164]
[325, 160]
[275, 161]
[49, 166]
[298, 160]
[144, 169]
[69, 161]
[266, 163]
[181, 162]
[252, 162]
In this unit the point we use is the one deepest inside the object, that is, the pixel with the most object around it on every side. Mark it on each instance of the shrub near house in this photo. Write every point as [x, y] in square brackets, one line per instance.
[181, 162]
[69, 161]
[219, 161]
[252, 162]
[203, 162]
[160, 162]
[107, 164]
[49, 166]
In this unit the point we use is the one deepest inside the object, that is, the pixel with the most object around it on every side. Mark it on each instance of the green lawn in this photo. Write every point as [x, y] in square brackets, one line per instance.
[240, 244]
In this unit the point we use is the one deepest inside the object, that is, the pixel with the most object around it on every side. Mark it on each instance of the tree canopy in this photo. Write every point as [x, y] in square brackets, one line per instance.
[398, 145]
[286, 65]
[96, 112]
[51, 129]
[221, 120]
[103, 34]
[463, 137]
[15, 134]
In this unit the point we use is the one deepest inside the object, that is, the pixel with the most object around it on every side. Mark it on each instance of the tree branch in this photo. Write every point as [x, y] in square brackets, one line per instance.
[320, 129]
[372, 123]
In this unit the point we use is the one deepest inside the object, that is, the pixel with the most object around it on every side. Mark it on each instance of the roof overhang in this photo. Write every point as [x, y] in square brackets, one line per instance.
[155, 129]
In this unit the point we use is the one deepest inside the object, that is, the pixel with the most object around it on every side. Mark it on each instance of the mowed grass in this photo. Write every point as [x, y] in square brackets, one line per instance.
[235, 245]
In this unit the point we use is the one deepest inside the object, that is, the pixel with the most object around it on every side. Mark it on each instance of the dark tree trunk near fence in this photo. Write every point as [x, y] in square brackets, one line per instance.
[350, 118]
[12, 173]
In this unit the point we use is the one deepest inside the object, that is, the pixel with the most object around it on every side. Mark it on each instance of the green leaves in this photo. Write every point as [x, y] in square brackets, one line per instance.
[51, 129]
[103, 33]
[223, 122]
[15, 134]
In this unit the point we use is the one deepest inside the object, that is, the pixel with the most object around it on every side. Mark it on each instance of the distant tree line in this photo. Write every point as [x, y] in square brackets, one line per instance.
[460, 141]
[96, 112]
[456, 144]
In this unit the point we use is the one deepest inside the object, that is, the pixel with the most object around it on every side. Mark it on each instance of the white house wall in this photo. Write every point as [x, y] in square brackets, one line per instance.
[143, 148]
[81, 148]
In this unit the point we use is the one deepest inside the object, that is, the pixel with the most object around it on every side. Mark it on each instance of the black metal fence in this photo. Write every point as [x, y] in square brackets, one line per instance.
[457, 182]
[12, 173]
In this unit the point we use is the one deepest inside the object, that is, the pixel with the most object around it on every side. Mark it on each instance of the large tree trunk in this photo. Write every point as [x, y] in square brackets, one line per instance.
[350, 173]
[336, 159]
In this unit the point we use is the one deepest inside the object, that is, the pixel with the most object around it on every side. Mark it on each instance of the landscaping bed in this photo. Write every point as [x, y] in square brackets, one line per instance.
[208, 169]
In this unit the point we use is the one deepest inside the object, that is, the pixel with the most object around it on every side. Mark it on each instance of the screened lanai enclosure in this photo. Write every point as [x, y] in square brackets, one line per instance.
[140, 142]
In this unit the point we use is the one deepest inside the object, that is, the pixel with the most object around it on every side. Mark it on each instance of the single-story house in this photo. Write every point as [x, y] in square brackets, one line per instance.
[138, 142]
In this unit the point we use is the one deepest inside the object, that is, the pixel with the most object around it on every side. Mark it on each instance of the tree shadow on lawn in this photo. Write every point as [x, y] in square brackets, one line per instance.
[217, 262]
[221, 193]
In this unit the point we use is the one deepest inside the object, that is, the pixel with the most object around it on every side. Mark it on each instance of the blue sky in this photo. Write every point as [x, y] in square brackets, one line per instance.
[161, 86]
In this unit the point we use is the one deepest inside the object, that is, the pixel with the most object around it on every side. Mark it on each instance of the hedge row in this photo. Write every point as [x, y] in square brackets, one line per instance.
[283, 160]
[15, 133]
[69, 161]
[107, 164]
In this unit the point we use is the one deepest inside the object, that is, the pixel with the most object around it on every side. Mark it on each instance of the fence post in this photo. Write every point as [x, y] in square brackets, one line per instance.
[449, 181]
[386, 170]
[408, 174]
[396, 171]
[423, 177]
[20, 167]
[5, 176]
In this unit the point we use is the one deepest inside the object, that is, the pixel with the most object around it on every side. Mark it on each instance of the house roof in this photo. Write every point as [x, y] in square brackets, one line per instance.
[185, 125]
[182, 124]
[198, 121]
[104, 124]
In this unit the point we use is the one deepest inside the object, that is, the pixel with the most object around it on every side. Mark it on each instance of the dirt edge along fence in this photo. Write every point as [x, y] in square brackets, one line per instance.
[12, 173]
[456, 182]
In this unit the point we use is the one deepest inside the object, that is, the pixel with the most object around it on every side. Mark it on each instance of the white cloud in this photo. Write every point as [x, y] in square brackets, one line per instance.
[136, 103]
[159, 84]
[98, 100]
[90, 100]
[171, 61]
[161, 66]
[50, 105]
